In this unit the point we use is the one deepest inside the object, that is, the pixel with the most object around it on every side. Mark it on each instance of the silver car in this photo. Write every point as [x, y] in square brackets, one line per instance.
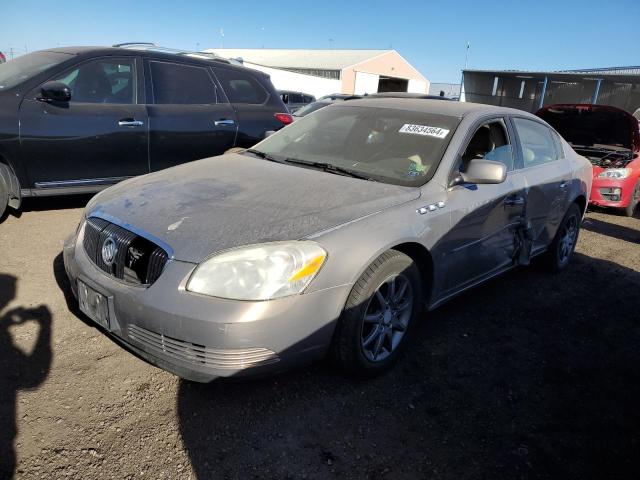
[329, 237]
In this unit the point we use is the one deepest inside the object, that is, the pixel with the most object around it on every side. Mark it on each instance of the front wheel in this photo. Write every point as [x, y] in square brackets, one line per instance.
[633, 203]
[378, 316]
[563, 245]
[4, 196]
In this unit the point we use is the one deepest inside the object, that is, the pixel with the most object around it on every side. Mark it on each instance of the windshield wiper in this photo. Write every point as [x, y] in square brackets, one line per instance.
[329, 167]
[264, 155]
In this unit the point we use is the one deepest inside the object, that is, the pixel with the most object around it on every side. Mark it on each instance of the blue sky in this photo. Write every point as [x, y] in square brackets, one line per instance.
[526, 35]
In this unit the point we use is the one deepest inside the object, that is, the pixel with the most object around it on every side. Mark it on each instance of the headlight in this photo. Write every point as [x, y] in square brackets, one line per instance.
[259, 272]
[615, 173]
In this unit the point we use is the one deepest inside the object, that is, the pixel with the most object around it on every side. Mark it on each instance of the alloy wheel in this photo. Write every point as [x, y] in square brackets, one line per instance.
[386, 318]
[568, 236]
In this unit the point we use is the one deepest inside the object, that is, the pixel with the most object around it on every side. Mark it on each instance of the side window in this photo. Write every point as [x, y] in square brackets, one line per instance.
[296, 98]
[181, 84]
[537, 142]
[490, 142]
[242, 87]
[558, 143]
[308, 99]
[104, 80]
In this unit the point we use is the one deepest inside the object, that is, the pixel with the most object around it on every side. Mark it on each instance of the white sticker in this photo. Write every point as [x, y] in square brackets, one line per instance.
[424, 130]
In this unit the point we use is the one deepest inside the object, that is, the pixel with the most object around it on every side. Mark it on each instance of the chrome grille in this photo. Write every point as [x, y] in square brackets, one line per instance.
[235, 359]
[137, 261]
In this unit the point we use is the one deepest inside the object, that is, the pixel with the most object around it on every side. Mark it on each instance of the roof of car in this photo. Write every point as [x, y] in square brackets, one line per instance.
[452, 109]
[152, 51]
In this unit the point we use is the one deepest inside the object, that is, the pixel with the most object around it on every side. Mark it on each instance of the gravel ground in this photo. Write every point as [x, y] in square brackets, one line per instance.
[529, 376]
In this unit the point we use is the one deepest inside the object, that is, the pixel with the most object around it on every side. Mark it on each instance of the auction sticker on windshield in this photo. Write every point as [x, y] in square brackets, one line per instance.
[424, 130]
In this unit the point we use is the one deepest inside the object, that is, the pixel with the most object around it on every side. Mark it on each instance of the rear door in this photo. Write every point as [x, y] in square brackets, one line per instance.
[97, 138]
[255, 102]
[189, 118]
[547, 175]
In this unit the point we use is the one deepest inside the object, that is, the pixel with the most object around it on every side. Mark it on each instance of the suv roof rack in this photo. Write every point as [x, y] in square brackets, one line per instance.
[128, 44]
[152, 47]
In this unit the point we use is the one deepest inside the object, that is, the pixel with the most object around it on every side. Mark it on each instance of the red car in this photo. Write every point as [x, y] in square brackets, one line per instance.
[610, 138]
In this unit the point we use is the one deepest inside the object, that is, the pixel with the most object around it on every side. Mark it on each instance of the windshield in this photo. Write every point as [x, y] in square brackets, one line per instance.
[312, 107]
[387, 145]
[22, 68]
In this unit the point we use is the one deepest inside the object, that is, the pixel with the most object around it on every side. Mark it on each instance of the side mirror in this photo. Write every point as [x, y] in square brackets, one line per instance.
[55, 92]
[483, 171]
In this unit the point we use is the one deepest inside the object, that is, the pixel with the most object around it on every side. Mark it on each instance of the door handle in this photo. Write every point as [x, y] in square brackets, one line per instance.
[513, 201]
[130, 122]
[223, 121]
[564, 183]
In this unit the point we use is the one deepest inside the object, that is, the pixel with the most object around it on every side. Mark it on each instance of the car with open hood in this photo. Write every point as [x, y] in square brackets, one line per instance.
[610, 138]
[330, 236]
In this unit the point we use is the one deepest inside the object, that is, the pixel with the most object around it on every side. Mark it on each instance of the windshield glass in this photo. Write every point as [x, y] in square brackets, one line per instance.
[312, 107]
[387, 145]
[22, 68]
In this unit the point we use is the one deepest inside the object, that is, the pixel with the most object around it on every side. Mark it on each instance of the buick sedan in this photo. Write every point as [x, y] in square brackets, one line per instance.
[329, 238]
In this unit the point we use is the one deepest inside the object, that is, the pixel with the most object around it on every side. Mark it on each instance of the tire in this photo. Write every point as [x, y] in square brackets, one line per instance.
[387, 326]
[4, 196]
[559, 254]
[633, 203]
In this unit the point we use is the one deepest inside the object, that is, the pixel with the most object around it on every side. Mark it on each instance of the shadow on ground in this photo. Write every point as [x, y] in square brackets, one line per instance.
[612, 230]
[39, 204]
[529, 376]
[18, 370]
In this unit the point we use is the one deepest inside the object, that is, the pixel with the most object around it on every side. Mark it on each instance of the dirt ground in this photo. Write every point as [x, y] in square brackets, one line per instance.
[530, 376]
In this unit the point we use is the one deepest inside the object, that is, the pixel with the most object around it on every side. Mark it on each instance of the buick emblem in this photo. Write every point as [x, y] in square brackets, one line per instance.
[109, 251]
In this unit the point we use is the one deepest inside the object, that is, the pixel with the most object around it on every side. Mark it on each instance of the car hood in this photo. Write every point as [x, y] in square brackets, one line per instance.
[210, 205]
[589, 125]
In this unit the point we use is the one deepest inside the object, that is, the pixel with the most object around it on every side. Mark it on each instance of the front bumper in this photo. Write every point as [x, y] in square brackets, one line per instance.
[201, 338]
[611, 192]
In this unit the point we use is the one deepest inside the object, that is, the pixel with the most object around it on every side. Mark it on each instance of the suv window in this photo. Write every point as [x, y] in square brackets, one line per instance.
[104, 80]
[295, 98]
[241, 87]
[181, 84]
[538, 146]
[490, 142]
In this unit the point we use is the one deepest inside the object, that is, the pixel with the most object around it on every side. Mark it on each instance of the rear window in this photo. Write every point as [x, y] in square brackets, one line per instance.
[22, 68]
[181, 84]
[241, 87]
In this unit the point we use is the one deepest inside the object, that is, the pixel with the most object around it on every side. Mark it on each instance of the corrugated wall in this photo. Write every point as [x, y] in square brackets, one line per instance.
[524, 91]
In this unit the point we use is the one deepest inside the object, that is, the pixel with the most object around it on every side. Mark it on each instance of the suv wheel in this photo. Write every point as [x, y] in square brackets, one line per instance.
[4, 195]
[378, 315]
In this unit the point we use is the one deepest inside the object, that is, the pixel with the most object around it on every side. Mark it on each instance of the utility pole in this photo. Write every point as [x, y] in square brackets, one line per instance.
[466, 64]
[11, 53]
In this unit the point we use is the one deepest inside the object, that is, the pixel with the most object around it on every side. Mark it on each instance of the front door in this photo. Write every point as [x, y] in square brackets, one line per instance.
[99, 137]
[485, 219]
[189, 117]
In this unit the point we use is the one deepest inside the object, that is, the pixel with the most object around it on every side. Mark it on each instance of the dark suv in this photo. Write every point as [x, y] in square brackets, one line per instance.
[78, 119]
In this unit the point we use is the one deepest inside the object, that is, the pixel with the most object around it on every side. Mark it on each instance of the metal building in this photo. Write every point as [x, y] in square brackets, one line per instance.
[320, 72]
[619, 86]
